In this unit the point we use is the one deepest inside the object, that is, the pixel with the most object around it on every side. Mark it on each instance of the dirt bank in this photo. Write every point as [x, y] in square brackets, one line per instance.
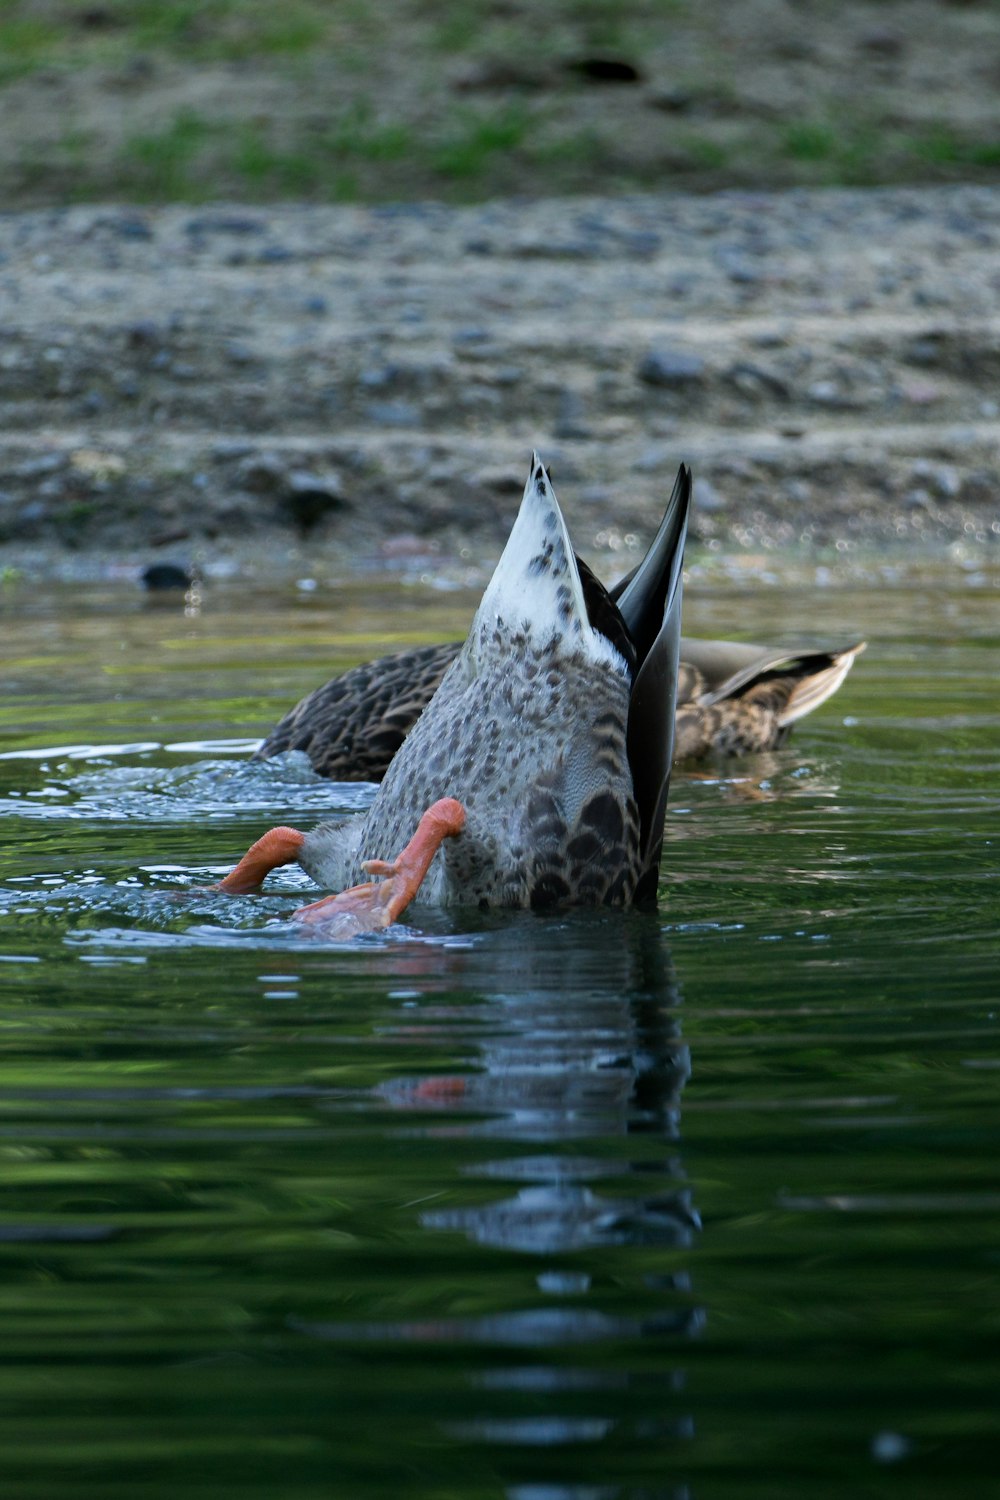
[225, 382]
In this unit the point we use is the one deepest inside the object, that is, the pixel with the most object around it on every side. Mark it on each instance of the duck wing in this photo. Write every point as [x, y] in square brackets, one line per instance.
[352, 726]
[736, 698]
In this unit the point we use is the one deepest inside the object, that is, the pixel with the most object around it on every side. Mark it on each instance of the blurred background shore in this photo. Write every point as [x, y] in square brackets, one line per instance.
[280, 280]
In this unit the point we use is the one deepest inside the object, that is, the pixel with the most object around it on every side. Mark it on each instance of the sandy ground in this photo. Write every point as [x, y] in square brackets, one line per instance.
[303, 382]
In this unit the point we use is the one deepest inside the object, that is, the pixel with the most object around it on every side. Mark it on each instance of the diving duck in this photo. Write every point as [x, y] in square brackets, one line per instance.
[537, 774]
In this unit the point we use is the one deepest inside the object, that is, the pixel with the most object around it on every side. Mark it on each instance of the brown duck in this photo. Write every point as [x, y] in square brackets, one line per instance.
[732, 699]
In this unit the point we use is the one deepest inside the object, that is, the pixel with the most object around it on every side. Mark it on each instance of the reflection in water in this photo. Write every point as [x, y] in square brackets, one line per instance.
[410, 1216]
[583, 1045]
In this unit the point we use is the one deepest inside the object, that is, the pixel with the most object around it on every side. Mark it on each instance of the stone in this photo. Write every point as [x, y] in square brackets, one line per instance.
[393, 414]
[163, 576]
[262, 474]
[309, 497]
[673, 368]
[706, 498]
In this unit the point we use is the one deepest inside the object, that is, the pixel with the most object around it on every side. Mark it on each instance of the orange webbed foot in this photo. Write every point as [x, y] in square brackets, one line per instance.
[279, 846]
[378, 903]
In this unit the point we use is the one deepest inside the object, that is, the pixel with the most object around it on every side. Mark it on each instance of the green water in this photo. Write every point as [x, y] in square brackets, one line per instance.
[599, 1207]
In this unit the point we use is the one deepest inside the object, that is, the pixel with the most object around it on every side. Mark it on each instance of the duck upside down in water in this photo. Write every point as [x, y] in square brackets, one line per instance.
[543, 758]
[731, 699]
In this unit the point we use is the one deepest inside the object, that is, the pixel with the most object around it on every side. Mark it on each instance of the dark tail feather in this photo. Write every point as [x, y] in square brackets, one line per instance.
[650, 604]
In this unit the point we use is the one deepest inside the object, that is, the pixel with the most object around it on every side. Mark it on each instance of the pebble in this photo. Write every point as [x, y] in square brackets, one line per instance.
[673, 368]
[164, 576]
[549, 342]
[393, 414]
[261, 473]
[881, 42]
[755, 380]
[241, 224]
[653, 458]
[145, 334]
[706, 498]
[890, 1447]
[919, 392]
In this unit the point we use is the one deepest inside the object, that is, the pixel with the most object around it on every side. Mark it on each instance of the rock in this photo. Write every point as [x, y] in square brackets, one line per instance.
[163, 576]
[130, 227]
[571, 418]
[919, 392]
[881, 42]
[756, 380]
[706, 498]
[673, 100]
[944, 481]
[379, 377]
[45, 463]
[498, 73]
[604, 70]
[393, 414]
[262, 474]
[145, 334]
[501, 481]
[673, 368]
[224, 223]
[309, 497]
[653, 458]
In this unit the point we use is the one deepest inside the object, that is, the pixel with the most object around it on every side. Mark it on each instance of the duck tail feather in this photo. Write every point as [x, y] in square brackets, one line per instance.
[654, 692]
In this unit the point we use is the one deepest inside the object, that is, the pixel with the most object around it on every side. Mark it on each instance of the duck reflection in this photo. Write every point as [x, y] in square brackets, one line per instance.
[584, 1049]
[574, 1023]
[584, 1043]
[587, 1045]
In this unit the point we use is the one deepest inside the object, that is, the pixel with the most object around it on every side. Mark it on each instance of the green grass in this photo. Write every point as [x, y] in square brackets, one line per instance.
[34, 36]
[161, 164]
[322, 164]
[807, 141]
[475, 136]
[944, 146]
[26, 44]
[859, 152]
[355, 100]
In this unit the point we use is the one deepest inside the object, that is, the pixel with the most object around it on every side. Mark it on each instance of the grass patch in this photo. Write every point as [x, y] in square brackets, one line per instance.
[372, 102]
[855, 154]
[944, 146]
[810, 142]
[160, 164]
[226, 29]
[476, 137]
[706, 153]
[859, 153]
[359, 133]
[26, 43]
[265, 171]
[319, 163]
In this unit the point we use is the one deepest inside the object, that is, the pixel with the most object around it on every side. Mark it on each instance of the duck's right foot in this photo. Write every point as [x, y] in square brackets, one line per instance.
[378, 903]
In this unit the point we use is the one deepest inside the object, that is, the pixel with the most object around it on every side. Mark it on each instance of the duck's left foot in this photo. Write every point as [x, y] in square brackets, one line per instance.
[377, 903]
[279, 846]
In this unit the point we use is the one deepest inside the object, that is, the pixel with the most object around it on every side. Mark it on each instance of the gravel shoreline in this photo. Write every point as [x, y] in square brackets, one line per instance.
[236, 386]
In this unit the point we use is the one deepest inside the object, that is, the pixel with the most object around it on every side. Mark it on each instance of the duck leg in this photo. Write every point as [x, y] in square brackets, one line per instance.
[279, 846]
[378, 903]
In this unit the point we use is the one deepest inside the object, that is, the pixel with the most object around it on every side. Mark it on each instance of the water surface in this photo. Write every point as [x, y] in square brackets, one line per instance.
[596, 1207]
